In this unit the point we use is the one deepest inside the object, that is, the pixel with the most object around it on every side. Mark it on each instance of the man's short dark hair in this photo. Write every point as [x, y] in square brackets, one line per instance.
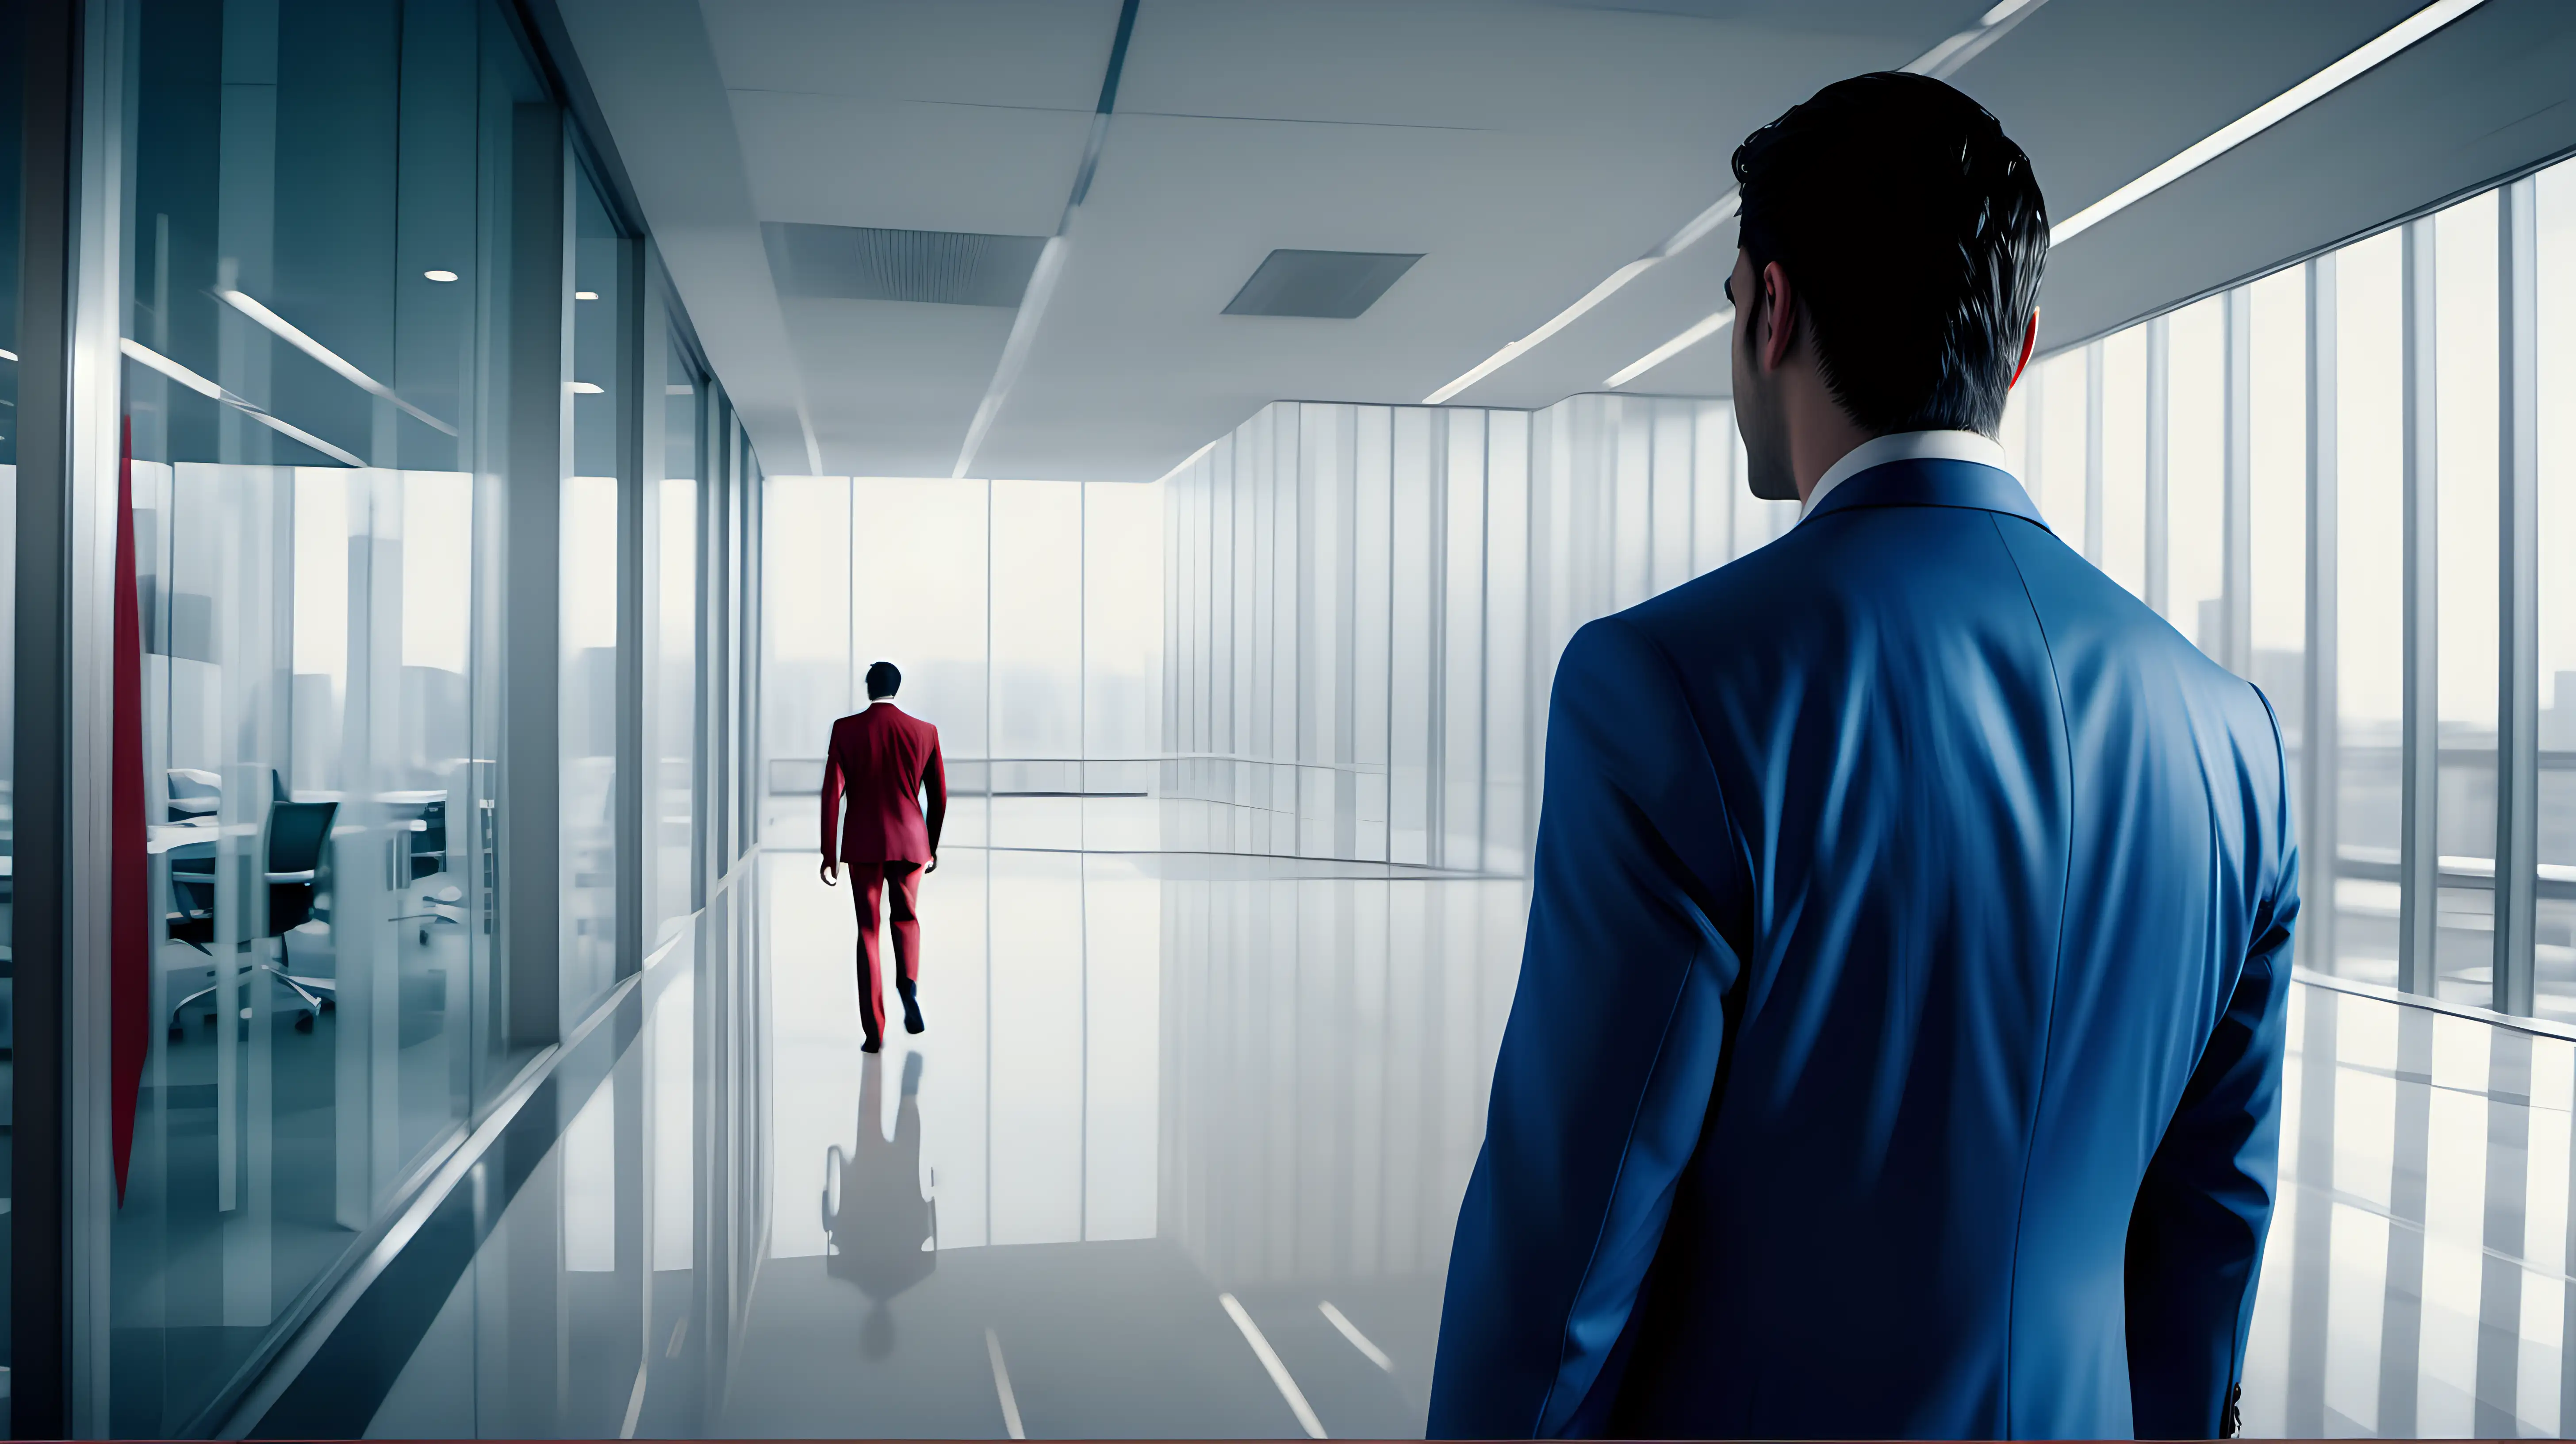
[1913, 229]
[883, 679]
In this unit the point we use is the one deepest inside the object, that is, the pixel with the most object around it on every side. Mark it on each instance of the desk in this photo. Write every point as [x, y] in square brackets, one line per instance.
[163, 836]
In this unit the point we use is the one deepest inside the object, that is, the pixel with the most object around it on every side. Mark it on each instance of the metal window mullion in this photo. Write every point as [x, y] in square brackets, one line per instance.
[2236, 542]
[2093, 453]
[2517, 844]
[2319, 726]
[2420, 728]
[57, 1279]
[634, 765]
[2159, 352]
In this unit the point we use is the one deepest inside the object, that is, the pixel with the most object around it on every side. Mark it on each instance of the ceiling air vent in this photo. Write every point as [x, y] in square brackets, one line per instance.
[1336, 285]
[865, 263]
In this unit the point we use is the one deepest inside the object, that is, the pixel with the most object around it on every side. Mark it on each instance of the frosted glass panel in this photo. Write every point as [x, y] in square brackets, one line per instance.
[1366, 603]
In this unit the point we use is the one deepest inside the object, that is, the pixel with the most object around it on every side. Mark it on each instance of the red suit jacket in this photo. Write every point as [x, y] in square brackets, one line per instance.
[881, 758]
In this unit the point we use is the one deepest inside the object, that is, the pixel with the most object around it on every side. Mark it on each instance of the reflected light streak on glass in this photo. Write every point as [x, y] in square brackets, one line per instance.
[137, 351]
[293, 335]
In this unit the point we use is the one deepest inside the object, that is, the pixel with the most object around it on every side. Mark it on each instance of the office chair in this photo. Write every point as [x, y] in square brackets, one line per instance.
[297, 833]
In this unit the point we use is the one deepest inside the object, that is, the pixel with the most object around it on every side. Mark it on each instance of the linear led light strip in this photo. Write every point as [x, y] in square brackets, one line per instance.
[1941, 59]
[1707, 326]
[2263, 117]
[2254, 122]
[293, 335]
[203, 387]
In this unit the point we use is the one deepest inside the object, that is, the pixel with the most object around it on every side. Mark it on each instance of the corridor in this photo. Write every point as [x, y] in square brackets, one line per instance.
[1180, 1154]
[1151, 1084]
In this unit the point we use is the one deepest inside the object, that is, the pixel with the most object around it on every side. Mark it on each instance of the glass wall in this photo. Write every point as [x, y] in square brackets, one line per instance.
[592, 689]
[408, 816]
[323, 260]
[1026, 617]
[2376, 386]
[1367, 603]
[672, 597]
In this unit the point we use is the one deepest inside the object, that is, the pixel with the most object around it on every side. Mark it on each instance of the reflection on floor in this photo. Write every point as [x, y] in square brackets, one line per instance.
[1180, 1155]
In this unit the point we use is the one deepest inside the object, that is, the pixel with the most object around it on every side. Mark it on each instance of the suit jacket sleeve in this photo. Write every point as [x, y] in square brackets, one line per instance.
[832, 787]
[2196, 1232]
[934, 782]
[1609, 1056]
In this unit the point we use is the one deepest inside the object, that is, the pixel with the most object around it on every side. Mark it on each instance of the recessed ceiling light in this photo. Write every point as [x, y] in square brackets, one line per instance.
[585, 295]
[440, 275]
[586, 388]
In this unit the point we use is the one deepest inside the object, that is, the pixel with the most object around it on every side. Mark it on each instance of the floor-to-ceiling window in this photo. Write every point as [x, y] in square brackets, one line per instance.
[2354, 417]
[594, 647]
[679, 410]
[2555, 587]
[1027, 620]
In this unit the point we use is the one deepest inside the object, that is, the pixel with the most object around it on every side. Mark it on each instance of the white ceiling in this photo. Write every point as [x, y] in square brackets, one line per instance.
[1526, 148]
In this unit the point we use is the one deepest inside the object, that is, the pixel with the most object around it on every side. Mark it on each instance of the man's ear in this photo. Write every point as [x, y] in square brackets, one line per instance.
[1779, 318]
[2029, 343]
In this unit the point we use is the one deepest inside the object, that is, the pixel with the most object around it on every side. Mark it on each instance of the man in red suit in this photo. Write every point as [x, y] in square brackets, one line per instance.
[884, 759]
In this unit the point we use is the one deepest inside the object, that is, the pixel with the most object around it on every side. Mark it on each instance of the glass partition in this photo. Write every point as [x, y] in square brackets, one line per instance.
[1408, 576]
[673, 597]
[593, 690]
[322, 216]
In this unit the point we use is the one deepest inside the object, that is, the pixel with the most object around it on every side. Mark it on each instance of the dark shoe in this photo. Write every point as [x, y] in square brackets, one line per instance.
[871, 1046]
[911, 1010]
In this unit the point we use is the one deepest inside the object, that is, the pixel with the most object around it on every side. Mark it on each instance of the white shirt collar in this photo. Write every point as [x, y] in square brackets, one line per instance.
[880, 701]
[1907, 446]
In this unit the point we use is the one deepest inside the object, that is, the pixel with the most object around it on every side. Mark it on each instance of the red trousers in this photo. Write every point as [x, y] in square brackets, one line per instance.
[867, 883]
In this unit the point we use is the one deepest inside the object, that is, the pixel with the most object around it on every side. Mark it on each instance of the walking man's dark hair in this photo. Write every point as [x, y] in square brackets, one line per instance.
[884, 678]
[1914, 230]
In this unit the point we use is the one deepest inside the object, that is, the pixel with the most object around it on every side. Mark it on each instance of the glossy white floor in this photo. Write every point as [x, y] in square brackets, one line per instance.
[1182, 1148]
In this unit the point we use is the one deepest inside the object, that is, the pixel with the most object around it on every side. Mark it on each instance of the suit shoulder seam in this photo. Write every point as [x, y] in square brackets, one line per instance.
[2057, 960]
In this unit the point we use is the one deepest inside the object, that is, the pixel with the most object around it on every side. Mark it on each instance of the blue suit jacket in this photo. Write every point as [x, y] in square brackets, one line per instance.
[1897, 1050]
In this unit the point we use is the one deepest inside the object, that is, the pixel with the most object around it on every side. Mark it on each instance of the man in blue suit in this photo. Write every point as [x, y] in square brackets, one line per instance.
[1897, 1049]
